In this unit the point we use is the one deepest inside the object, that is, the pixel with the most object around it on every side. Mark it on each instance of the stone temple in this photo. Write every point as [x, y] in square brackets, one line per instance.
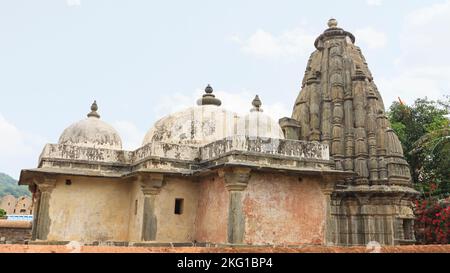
[332, 174]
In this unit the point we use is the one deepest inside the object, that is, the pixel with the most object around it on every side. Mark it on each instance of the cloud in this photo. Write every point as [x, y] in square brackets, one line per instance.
[410, 85]
[73, 3]
[423, 67]
[291, 43]
[11, 139]
[131, 135]
[18, 149]
[241, 103]
[371, 37]
[428, 14]
[374, 2]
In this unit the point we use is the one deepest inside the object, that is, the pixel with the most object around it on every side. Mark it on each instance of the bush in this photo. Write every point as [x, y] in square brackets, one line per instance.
[2, 213]
[432, 221]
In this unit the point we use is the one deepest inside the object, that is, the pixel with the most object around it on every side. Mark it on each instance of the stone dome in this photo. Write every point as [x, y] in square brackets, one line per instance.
[258, 124]
[207, 122]
[91, 132]
[198, 125]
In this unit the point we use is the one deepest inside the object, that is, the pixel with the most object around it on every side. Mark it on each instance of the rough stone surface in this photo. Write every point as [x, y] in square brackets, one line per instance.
[293, 214]
[89, 210]
[14, 231]
[211, 221]
[16, 248]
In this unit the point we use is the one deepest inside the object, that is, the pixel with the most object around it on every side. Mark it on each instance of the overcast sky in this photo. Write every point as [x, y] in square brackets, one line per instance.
[144, 59]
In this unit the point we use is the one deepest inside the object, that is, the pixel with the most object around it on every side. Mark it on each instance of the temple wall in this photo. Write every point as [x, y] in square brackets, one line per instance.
[282, 209]
[173, 227]
[90, 209]
[212, 212]
[135, 212]
[380, 219]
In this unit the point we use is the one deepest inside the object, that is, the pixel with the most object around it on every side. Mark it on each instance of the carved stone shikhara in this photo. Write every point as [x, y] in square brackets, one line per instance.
[338, 89]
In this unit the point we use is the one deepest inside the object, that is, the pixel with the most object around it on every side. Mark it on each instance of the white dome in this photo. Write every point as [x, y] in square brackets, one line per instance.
[208, 122]
[197, 125]
[91, 132]
[258, 124]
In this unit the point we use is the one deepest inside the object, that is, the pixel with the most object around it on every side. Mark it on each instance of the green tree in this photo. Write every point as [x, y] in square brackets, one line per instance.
[423, 128]
[2, 213]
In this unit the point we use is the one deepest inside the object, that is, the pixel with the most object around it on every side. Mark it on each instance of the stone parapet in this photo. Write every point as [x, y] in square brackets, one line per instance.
[181, 158]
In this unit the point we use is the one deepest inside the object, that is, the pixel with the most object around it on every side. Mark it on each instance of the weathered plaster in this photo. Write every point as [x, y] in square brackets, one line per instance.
[89, 210]
[176, 227]
[212, 212]
[280, 209]
[135, 212]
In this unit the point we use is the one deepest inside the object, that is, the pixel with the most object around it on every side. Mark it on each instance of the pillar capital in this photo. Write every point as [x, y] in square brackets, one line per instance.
[151, 183]
[45, 184]
[328, 183]
[327, 187]
[236, 178]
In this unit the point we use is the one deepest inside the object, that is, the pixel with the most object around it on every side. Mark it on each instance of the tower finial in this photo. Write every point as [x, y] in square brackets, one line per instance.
[94, 109]
[332, 23]
[256, 104]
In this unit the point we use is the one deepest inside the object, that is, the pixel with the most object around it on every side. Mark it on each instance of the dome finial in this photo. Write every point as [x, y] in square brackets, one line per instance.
[256, 104]
[332, 23]
[208, 89]
[208, 98]
[94, 109]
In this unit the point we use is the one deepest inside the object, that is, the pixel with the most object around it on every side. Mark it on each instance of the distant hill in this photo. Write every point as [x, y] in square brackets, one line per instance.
[8, 185]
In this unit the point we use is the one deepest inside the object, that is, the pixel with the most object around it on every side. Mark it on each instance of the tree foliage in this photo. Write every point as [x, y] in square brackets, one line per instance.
[424, 130]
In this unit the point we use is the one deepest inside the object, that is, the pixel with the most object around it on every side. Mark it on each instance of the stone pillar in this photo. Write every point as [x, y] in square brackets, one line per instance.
[327, 188]
[151, 186]
[35, 201]
[360, 114]
[368, 221]
[43, 221]
[236, 180]
[314, 110]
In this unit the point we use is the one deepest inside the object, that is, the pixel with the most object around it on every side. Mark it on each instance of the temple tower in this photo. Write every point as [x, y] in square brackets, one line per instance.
[339, 104]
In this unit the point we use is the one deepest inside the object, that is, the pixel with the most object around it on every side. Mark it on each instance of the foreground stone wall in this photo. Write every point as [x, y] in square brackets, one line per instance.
[14, 231]
[9, 248]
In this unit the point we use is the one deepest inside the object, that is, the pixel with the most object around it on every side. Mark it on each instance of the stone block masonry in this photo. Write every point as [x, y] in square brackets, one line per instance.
[14, 232]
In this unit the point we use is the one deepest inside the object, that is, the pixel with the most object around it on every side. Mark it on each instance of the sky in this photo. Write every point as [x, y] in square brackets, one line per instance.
[142, 60]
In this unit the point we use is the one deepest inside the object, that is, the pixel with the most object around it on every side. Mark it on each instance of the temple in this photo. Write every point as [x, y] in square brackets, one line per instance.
[332, 174]
[340, 106]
